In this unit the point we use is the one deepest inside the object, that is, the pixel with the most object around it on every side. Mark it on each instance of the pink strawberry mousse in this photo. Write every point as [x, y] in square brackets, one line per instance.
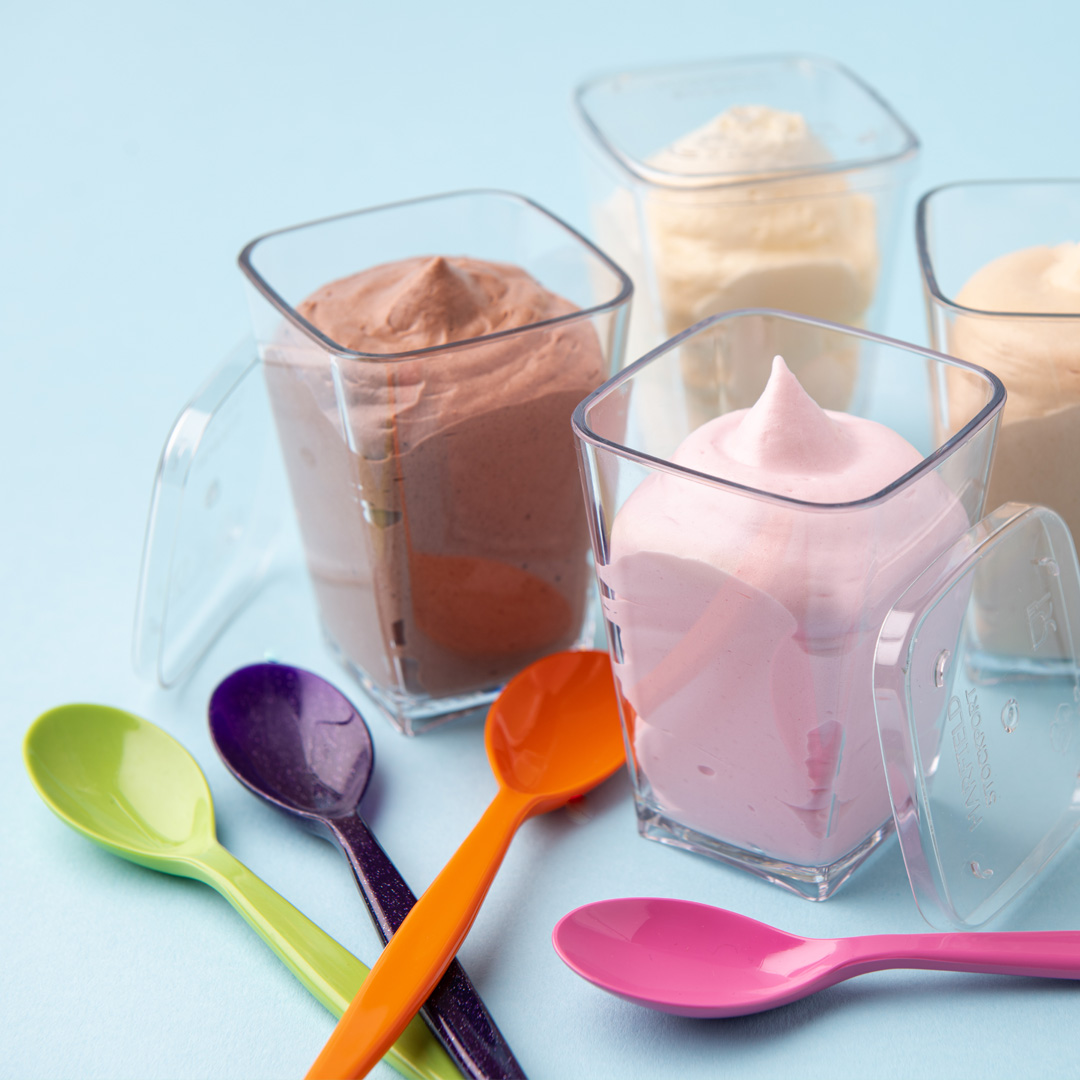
[748, 623]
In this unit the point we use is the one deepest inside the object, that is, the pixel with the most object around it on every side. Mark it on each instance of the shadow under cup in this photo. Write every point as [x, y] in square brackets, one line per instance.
[743, 624]
[436, 489]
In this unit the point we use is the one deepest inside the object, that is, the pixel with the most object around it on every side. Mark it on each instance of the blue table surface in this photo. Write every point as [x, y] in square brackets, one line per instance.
[144, 144]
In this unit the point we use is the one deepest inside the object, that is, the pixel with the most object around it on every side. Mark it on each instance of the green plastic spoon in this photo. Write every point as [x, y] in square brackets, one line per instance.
[133, 789]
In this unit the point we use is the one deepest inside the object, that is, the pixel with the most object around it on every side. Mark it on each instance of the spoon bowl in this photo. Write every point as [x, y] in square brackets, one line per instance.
[692, 959]
[554, 728]
[296, 741]
[122, 783]
[293, 739]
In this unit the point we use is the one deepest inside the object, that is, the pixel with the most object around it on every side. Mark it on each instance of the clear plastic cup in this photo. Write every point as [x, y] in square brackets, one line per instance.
[800, 218]
[435, 490]
[960, 229]
[743, 624]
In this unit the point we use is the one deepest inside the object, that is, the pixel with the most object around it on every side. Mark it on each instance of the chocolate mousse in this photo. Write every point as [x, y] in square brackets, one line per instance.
[434, 475]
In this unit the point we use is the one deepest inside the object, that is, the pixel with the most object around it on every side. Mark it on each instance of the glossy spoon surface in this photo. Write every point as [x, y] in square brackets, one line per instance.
[128, 786]
[295, 740]
[552, 735]
[696, 960]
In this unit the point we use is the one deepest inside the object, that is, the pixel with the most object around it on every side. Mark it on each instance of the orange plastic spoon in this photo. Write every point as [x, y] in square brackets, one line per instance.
[552, 735]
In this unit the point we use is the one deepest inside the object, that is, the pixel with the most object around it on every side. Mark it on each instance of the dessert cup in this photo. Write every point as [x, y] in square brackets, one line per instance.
[962, 227]
[797, 208]
[744, 652]
[435, 489]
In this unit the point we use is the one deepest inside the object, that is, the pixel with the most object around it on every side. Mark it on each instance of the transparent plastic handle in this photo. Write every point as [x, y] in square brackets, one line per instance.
[215, 520]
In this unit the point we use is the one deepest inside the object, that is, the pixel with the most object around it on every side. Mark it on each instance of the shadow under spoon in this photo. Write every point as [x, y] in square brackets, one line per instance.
[296, 741]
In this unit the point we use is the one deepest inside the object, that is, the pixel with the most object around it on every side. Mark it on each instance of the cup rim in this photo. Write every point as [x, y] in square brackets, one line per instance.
[986, 415]
[926, 258]
[244, 259]
[712, 181]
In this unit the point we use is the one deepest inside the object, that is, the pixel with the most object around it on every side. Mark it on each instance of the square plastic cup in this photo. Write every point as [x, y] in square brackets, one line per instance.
[790, 200]
[436, 489]
[743, 623]
[963, 229]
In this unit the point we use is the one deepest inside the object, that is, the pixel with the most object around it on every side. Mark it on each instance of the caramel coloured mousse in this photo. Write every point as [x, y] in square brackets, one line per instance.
[805, 242]
[1021, 321]
[437, 491]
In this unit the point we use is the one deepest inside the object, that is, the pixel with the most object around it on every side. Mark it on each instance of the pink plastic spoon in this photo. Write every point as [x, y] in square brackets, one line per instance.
[696, 960]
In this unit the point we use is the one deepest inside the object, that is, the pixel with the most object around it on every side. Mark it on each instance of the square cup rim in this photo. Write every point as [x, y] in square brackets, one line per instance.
[277, 301]
[926, 259]
[986, 415]
[662, 179]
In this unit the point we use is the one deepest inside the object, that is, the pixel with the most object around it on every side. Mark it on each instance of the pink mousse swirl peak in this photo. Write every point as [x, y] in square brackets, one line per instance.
[786, 444]
[787, 432]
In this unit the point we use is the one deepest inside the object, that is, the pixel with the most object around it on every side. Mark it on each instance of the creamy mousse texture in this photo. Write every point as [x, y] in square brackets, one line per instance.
[437, 492]
[1038, 360]
[802, 243]
[767, 226]
[748, 625]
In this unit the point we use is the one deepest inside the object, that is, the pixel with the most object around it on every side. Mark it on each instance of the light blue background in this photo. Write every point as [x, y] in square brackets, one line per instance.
[143, 145]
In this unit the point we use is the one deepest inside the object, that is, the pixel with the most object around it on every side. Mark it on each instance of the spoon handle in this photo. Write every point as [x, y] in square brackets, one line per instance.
[454, 1011]
[418, 954]
[1053, 954]
[327, 969]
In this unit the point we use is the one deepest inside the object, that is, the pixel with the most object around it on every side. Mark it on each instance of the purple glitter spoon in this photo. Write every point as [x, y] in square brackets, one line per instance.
[296, 741]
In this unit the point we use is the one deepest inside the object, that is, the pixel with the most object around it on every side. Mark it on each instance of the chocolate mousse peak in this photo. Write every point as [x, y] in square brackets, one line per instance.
[442, 302]
[427, 301]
